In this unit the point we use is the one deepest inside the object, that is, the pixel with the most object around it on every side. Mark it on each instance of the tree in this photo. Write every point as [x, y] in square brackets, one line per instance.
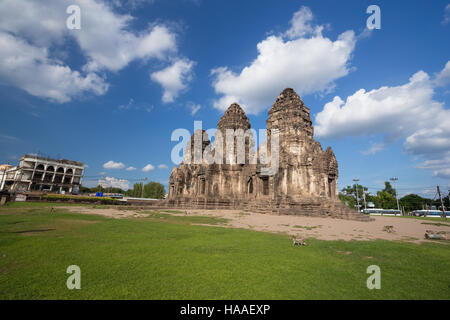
[349, 200]
[84, 189]
[152, 189]
[136, 191]
[351, 190]
[97, 189]
[348, 195]
[386, 200]
[388, 188]
[412, 202]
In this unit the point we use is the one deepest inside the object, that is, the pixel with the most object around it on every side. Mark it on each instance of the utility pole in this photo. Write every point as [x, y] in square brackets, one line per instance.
[356, 188]
[142, 190]
[396, 193]
[442, 202]
[364, 196]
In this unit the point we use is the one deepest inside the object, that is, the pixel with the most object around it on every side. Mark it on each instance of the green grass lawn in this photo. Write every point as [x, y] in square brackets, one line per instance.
[423, 218]
[171, 257]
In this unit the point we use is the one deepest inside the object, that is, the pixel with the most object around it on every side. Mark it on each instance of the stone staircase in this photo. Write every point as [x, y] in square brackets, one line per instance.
[311, 207]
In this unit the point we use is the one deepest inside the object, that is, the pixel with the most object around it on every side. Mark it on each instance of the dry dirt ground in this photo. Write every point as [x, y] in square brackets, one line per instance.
[303, 227]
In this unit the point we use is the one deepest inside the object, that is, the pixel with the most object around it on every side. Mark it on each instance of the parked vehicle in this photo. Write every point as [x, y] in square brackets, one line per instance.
[382, 212]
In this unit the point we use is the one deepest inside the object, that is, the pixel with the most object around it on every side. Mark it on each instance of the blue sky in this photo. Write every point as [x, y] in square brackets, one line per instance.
[113, 91]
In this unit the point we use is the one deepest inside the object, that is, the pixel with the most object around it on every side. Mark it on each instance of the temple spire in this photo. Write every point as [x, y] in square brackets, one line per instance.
[234, 118]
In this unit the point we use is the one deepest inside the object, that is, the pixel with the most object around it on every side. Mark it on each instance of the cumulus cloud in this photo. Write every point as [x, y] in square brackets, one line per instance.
[111, 182]
[380, 110]
[440, 167]
[30, 68]
[32, 32]
[300, 23]
[407, 111]
[148, 168]
[443, 173]
[302, 58]
[163, 166]
[174, 78]
[113, 165]
[374, 148]
[130, 168]
[443, 77]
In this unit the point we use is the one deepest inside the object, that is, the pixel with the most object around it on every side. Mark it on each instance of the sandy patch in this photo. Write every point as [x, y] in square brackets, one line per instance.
[107, 212]
[326, 228]
[299, 226]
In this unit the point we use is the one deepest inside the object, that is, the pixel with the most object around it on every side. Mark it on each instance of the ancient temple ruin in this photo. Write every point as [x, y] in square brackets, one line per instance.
[305, 182]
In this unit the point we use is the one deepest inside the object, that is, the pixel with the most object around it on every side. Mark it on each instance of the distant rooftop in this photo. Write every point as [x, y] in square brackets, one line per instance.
[65, 161]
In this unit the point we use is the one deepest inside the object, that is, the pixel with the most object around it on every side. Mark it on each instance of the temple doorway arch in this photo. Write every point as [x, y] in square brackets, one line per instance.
[250, 186]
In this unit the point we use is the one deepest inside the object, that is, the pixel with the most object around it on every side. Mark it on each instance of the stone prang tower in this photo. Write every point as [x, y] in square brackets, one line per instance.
[304, 182]
[305, 169]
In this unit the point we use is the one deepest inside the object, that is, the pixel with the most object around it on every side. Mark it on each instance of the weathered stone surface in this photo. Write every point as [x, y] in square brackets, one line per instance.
[304, 184]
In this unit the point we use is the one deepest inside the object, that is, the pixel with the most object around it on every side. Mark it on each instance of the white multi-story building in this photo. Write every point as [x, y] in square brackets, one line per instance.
[35, 173]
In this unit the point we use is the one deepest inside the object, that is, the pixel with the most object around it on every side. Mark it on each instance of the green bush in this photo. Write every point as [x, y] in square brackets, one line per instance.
[59, 197]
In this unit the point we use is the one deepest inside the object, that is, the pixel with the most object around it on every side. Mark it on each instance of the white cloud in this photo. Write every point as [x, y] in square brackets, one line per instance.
[174, 78]
[443, 77]
[132, 105]
[104, 53]
[193, 107]
[126, 106]
[130, 168]
[434, 139]
[32, 33]
[307, 62]
[30, 68]
[133, 4]
[163, 166]
[443, 173]
[390, 110]
[148, 168]
[104, 37]
[8, 137]
[440, 167]
[111, 182]
[113, 165]
[446, 14]
[374, 148]
[300, 23]
[407, 111]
